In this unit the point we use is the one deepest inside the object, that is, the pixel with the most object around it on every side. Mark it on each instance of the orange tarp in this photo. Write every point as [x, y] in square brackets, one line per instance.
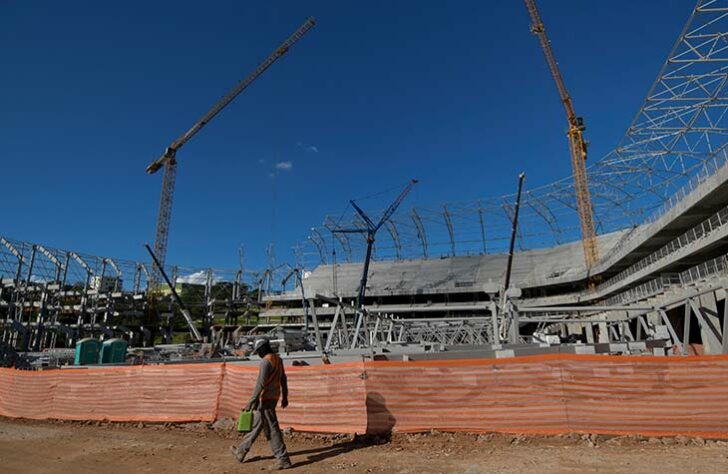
[538, 394]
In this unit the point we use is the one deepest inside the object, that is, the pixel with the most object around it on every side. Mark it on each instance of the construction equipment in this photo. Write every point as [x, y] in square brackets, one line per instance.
[577, 144]
[507, 292]
[514, 231]
[183, 308]
[169, 158]
[371, 231]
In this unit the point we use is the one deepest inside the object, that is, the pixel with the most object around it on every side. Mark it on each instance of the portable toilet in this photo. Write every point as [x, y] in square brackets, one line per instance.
[113, 351]
[87, 351]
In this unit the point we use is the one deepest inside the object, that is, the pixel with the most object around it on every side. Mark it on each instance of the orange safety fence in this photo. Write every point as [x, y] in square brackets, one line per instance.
[545, 394]
[549, 394]
[326, 398]
[137, 393]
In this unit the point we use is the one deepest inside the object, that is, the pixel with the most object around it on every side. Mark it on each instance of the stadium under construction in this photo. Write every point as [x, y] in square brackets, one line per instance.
[441, 283]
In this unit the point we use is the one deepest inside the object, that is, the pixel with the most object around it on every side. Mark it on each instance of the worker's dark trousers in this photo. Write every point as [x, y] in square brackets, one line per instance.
[266, 420]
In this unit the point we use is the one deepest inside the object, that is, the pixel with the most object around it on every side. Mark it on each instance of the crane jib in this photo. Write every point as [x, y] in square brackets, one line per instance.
[168, 161]
[242, 85]
[231, 95]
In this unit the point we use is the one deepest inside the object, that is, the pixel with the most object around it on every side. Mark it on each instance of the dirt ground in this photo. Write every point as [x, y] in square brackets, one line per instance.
[91, 447]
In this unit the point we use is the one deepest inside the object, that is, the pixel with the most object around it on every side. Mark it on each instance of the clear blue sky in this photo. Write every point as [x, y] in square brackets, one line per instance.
[456, 94]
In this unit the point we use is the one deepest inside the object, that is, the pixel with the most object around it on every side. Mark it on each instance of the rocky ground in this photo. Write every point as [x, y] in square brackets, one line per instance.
[93, 447]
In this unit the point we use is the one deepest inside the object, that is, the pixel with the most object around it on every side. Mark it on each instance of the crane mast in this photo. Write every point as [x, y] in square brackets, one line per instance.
[577, 144]
[370, 232]
[169, 159]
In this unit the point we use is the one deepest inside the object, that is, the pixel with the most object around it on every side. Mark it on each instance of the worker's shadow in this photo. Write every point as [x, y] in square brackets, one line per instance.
[380, 420]
[380, 423]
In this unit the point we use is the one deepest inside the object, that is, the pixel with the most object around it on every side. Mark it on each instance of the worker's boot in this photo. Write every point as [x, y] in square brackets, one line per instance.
[281, 465]
[239, 457]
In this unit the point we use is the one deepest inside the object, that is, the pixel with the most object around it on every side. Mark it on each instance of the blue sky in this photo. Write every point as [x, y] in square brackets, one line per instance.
[456, 94]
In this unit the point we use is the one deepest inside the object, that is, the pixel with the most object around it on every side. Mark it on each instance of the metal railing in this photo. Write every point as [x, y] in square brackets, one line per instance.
[704, 270]
[719, 220]
[709, 169]
[645, 290]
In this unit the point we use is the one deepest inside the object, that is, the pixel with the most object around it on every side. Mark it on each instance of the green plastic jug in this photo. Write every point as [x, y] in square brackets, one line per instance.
[245, 421]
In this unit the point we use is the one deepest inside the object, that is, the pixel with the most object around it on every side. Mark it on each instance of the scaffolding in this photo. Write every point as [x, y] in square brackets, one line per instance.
[52, 297]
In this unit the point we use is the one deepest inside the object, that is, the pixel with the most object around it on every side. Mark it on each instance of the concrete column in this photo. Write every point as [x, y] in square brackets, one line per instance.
[709, 310]
[603, 333]
[589, 331]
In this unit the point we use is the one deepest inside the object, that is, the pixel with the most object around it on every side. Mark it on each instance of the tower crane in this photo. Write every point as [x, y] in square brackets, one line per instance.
[169, 159]
[370, 231]
[577, 144]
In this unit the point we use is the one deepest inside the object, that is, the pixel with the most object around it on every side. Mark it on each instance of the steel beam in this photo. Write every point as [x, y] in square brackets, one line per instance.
[450, 228]
[686, 328]
[421, 234]
[394, 234]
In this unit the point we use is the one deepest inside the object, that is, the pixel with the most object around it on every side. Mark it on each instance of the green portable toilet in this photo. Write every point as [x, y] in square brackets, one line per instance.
[113, 351]
[87, 351]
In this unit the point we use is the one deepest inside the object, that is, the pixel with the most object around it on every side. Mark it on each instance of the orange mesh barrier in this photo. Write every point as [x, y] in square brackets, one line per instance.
[652, 396]
[539, 394]
[466, 395]
[140, 393]
[327, 398]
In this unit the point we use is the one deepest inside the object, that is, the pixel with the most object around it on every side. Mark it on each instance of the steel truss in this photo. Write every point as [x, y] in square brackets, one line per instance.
[668, 322]
[676, 140]
[52, 297]
[670, 319]
[663, 309]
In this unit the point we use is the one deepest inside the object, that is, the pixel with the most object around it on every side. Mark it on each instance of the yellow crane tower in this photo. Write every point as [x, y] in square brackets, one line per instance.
[577, 144]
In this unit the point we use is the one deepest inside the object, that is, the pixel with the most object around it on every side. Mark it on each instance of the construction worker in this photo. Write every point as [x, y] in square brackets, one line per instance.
[270, 386]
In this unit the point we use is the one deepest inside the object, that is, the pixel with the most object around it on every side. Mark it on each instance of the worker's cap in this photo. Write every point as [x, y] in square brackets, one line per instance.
[260, 343]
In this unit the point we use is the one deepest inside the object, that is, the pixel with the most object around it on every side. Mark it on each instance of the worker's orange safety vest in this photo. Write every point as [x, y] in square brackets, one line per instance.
[272, 385]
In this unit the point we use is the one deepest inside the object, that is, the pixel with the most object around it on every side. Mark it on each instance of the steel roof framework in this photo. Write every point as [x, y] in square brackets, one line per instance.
[678, 137]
